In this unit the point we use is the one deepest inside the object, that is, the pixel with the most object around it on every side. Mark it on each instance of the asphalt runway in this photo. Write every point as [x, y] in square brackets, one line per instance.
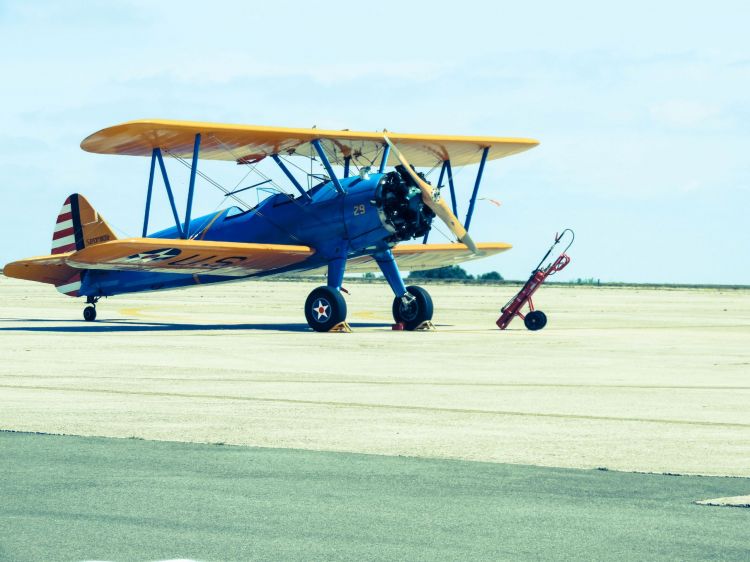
[74, 498]
[627, 379]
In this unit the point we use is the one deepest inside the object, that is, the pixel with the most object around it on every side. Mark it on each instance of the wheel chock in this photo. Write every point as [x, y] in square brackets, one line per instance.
[425, 326]
[342, 327]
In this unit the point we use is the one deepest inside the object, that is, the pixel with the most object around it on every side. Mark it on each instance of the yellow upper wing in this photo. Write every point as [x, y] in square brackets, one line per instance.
[245, 143]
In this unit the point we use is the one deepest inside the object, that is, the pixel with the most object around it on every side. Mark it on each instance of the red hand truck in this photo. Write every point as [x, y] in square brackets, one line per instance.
[535, 319]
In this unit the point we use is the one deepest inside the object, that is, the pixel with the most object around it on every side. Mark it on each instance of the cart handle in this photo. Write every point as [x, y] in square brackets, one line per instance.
[558, 237]
[572, 239]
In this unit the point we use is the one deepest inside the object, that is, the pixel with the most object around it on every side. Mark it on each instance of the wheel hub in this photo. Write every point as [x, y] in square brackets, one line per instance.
[320, 309]
[409, 310]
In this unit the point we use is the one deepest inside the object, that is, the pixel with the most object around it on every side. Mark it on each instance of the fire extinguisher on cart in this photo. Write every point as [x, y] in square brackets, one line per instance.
[535, 319]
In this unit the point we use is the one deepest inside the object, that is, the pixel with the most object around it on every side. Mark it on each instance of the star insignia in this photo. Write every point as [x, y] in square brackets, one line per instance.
[154, 255]
[321, 309]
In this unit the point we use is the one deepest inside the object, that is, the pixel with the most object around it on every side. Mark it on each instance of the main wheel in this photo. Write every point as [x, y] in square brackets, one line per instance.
[89, 313]
[535, 320]
[324, 308]
[417, 311]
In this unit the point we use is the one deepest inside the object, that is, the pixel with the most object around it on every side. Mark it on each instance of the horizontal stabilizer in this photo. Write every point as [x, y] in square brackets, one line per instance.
[45, 269]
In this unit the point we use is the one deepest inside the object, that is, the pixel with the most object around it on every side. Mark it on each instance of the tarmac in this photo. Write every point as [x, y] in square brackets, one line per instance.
[631, 379]
[376, 444]
[75, 498]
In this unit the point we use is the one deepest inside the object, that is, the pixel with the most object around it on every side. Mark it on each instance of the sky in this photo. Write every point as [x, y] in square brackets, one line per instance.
[642, 110]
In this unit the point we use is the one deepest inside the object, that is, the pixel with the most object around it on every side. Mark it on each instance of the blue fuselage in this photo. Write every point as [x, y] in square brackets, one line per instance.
[335, 225]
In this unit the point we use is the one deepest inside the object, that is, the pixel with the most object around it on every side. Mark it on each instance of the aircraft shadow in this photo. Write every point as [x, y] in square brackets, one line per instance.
[74, 326]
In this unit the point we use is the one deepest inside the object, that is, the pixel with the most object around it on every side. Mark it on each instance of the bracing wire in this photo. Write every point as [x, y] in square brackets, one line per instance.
[273, 183]
[227, 192]
[250, 171]
[442, 233]
[207, 178]
[253, 167]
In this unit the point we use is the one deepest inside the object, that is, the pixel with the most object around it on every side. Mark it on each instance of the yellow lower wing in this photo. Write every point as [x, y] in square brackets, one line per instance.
[199, 257]
[196, 257]
[188, 256]
[418, 257]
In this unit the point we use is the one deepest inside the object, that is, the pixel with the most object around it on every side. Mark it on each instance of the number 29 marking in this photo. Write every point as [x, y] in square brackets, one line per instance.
[359, 209]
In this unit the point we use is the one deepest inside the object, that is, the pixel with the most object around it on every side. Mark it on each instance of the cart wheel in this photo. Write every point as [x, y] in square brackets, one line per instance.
[535, 320]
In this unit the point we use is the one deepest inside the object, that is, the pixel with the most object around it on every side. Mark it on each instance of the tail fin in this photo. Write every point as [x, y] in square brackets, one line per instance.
[79, 225]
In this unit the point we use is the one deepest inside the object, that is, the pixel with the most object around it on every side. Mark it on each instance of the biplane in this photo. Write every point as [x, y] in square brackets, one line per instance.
[355, 218]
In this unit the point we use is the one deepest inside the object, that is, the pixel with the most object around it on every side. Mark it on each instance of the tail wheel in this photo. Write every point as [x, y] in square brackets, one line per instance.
[324, 308]
[89, 313]
[535, 320]
[416, 312]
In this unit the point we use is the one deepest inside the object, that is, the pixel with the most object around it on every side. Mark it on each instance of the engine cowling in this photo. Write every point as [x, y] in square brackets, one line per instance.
[400, 206]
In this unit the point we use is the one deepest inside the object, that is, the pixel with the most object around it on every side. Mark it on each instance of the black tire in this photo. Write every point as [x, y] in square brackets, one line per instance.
[89, 313]
[324, 308]
[419, 311]
[535, 320]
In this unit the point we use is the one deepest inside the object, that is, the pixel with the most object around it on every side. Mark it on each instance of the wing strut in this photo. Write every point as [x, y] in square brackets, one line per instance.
[327, 164]
[169, 191]
[148, 192]
[289, 175]
[473, 200]
[384, 160]
[156, 156]
[454, 203]
[191, 187]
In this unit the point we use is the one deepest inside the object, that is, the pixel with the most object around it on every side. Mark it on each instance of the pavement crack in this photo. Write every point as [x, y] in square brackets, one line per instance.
[364, 405]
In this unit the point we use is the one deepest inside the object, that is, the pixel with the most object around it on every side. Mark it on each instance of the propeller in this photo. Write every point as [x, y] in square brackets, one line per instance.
[431, 198]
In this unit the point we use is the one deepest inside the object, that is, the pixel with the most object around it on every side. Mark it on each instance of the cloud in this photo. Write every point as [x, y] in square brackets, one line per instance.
[634, 112]
[685, 113]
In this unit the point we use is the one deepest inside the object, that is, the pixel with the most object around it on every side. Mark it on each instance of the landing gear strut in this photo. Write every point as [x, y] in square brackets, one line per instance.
[89, 313]
[413, 309]
[412, 306]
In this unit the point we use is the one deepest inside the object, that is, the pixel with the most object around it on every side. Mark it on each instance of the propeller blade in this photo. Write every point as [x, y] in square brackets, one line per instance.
[431, 198]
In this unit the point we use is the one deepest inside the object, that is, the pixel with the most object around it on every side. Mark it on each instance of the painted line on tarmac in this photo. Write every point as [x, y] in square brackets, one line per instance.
[735, 501]
[383, 383]
[409, 408]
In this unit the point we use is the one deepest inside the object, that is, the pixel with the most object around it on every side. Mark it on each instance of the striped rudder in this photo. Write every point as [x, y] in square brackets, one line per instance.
[68, 235]
[79, 225]
[71, 286]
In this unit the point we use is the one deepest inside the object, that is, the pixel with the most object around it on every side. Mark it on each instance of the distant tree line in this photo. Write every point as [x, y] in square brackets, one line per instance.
[586, 281]
[454, 272]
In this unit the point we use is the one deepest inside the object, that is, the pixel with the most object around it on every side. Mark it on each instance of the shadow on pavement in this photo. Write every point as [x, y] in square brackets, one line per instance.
[72, 326]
